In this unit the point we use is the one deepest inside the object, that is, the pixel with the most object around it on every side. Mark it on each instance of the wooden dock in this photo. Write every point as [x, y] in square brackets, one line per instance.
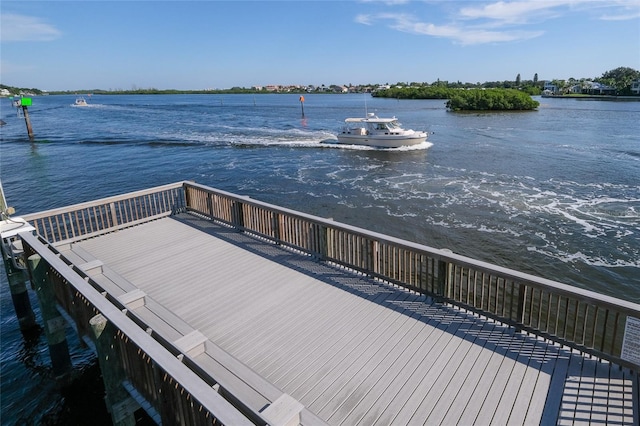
[254, 312]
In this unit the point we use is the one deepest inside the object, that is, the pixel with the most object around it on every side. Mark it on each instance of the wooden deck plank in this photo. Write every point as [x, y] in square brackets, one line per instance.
[366, 361]
[430, 363]
[312, 320]
[536, 377]
[433, 388]
[566, 415]
[311, 383]
[601, 396]
[633, 396]
[582, 415]
[310, 314]
[480, 410]
[380, 376]
[280, 308]
[67, 252]
[533, 411]
[446, 410]
[521, 382]
[318, 349]
[466, 402]
[555, 390]
[322, 340]
[273, 315]
[351, 349]
[400, 368]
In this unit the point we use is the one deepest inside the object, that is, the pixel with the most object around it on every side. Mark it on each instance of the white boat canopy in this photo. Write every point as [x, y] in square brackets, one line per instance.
[370, 120]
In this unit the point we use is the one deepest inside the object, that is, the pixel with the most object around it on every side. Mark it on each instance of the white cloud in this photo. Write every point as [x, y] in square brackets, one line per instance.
[26, 28]
[364, 19]
[512, 12]
[502, 21]
[528, 10]
[623, 17]
[387, 2]
[623, 10]
[465, 35]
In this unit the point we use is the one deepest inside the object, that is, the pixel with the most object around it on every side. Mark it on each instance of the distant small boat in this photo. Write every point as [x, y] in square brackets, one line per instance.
[382, 132]
[81, 102]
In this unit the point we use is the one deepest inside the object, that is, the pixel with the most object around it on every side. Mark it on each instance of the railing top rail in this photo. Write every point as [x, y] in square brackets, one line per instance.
[199, 389]
[444, 255]
[101, 201]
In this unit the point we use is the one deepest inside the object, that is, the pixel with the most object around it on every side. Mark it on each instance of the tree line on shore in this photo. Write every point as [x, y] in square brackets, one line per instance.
[620, 79]
[505, 95]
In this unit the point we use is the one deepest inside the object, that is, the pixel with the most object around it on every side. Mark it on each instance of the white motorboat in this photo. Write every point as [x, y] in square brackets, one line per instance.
[81, 102]
[382, 132]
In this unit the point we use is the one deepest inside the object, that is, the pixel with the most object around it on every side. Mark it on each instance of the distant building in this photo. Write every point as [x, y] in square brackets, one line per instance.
[595, 88]
[549, 88]
[635, 87]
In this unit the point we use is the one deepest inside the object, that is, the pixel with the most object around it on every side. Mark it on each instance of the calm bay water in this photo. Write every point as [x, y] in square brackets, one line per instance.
[555, 192]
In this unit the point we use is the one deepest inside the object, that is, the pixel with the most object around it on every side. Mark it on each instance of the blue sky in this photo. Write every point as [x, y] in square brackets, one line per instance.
[75, 45]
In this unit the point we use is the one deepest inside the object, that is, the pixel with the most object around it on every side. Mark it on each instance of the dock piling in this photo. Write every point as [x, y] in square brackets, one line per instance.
[16, 277]
[119, 402]
[19, 295]
[54, 323]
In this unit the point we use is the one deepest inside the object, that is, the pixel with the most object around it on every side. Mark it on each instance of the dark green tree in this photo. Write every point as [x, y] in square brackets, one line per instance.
[490, 100]
[518, 80]
[620, 78]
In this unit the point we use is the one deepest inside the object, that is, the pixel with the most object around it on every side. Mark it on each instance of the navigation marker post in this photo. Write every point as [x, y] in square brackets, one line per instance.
[302, 104]
[24, 103]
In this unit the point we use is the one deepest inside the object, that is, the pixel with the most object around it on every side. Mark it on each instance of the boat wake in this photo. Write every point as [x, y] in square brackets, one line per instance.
[546, 217]
[88, 106]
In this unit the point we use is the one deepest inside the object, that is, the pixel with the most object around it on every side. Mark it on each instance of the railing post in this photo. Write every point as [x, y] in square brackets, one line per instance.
[373, 266]
[19, 293]
[117, 399]
[54, 323]
[522, 290]
[237, 217]
[275, 226]
[180, 199]
[165, 402]
[114, 216]
[210, 206]
[320, 232]
[441, 289]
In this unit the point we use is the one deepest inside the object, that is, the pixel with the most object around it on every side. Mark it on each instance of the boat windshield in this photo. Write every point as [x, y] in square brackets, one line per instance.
[394, 125]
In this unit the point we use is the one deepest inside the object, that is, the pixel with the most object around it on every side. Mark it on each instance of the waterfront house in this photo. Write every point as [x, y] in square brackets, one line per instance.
[549, 88]
[595, 88]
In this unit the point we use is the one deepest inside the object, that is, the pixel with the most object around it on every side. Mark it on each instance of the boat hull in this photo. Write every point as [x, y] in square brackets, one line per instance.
[381, 141]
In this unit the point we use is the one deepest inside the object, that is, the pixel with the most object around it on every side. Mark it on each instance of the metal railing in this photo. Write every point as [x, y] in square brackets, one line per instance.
[85, 220]
[169, 386]
[581, 319]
